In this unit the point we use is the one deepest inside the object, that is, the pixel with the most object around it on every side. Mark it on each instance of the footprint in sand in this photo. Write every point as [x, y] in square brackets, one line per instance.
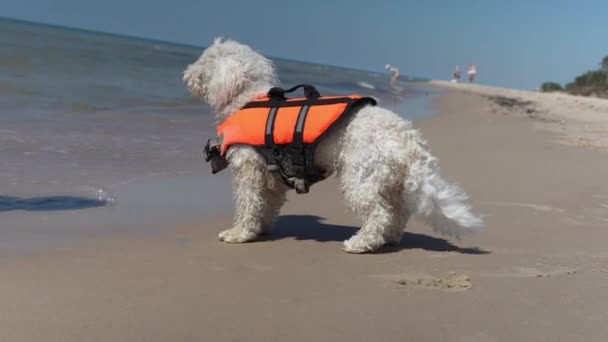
[452, 282]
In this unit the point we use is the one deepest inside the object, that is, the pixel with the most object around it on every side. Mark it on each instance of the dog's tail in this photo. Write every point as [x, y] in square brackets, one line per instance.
[443, 206]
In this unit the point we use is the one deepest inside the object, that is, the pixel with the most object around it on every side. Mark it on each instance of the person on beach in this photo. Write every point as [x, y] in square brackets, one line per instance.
[456, 74]
[394, 76]
[394, 86]
[472, 73]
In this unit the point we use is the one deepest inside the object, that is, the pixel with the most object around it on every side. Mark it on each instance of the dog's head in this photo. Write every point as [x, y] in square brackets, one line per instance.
[225, 70]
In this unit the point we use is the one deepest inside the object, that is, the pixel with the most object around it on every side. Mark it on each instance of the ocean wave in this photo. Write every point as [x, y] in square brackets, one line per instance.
[366, 85]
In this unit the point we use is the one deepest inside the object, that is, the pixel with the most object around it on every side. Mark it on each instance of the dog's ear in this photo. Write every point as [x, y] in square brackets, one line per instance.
[229, 79]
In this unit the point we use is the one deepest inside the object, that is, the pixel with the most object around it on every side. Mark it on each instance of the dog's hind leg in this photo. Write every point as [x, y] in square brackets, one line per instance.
[377, 205]
[376, 230]
[252, 196]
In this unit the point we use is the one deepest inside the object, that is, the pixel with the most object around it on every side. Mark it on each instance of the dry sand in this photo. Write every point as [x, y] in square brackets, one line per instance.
[579, 121]
[539, 272]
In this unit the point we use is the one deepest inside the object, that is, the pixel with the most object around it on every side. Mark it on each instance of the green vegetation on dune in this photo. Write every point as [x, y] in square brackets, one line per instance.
[591, 83]
[604, 64]
[551, 86]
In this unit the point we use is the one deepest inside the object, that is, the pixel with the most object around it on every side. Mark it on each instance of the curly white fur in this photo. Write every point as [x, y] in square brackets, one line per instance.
[384, 167]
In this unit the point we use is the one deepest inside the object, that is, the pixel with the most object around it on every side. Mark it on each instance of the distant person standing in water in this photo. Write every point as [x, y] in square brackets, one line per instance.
[394, 76]
[472, 73]
[456, 74]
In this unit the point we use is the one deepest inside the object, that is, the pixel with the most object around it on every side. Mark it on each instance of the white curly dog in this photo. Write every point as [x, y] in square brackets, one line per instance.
[383, 165]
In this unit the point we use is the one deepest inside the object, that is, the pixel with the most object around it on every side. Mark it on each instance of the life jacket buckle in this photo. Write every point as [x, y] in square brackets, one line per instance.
[213, 154]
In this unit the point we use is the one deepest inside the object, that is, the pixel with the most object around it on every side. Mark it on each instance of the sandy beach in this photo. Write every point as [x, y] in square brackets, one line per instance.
[577, 120]
[536, 172]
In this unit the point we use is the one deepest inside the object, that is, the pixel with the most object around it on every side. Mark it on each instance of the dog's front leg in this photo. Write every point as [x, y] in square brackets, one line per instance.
[250, 189]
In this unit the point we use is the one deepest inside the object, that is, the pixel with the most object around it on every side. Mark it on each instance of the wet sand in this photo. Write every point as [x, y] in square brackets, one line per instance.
[146, 162]
[538, 273]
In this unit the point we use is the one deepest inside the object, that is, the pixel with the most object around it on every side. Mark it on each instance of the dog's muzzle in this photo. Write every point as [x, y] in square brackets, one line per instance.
[213, 154]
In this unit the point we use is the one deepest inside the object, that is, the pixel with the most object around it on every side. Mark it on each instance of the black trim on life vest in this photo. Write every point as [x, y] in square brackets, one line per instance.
[298, 132]
[268, 134]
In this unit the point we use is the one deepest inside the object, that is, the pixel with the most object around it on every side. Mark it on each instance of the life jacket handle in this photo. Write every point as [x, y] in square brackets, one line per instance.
[279, 93]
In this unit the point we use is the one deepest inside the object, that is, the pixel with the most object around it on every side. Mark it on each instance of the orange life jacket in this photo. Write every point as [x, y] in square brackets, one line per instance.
[286, 131]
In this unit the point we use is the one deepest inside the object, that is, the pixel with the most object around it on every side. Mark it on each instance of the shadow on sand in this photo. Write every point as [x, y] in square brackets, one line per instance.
[48, 203]
[309, 227]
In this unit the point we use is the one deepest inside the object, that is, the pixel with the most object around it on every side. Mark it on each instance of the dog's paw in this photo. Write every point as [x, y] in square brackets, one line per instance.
[357, 245]
[235, 235]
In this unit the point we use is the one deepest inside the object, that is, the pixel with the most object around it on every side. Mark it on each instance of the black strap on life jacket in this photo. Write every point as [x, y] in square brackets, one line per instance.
[310, 92]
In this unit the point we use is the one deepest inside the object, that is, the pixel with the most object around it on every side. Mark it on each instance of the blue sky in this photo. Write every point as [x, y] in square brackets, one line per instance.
[513, 43]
